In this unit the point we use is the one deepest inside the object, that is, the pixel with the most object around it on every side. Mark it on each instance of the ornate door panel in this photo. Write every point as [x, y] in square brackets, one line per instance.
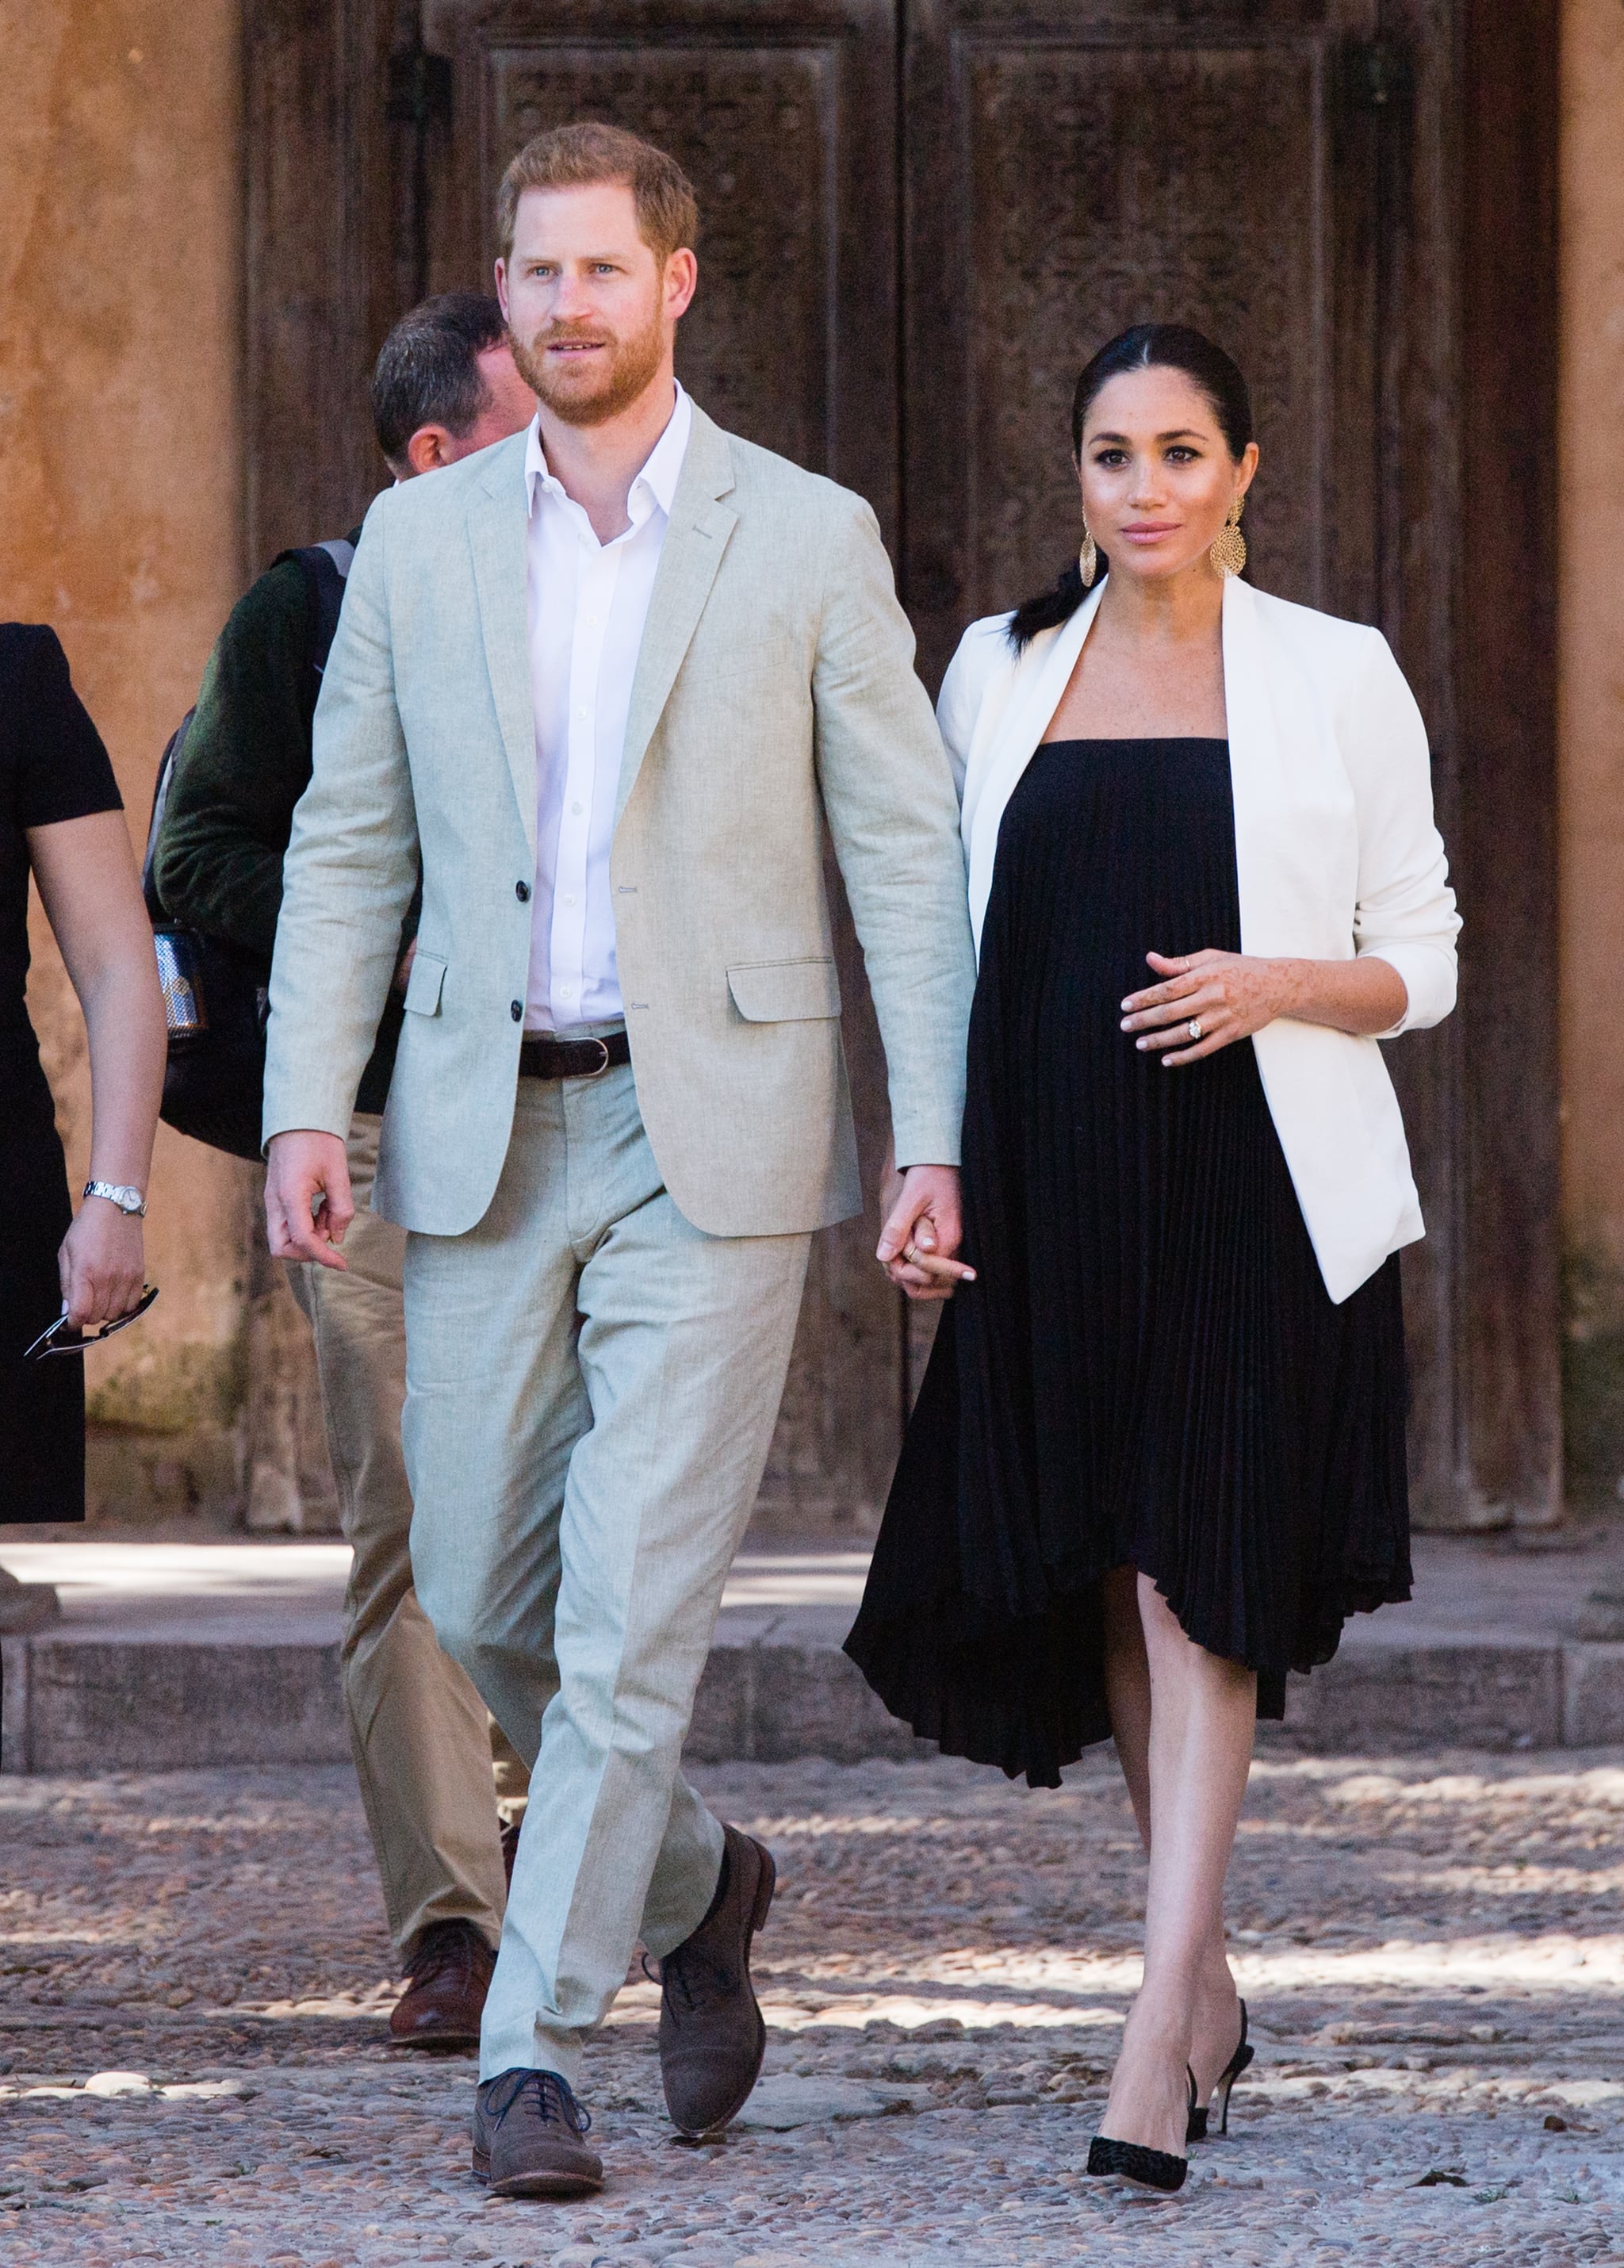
[1271, 173]
[783, 117]
[1093, 166]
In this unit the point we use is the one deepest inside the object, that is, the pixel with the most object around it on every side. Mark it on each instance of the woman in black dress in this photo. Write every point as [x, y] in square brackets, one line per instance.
[61, 819]
[1159, 1452]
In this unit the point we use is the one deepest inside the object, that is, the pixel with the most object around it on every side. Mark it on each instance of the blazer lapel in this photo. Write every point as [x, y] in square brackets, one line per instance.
[695, 539]
[1255, 769]
[1024, 721]
[497, 540]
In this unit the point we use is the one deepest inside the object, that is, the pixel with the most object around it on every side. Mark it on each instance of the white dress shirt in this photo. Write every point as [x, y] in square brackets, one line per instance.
[588, 603]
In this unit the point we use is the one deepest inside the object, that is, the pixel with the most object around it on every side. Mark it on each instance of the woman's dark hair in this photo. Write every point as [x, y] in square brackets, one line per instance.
[1147, 346]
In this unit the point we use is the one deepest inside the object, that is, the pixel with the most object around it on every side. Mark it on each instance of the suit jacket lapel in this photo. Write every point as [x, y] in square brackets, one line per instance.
[695, 539]
[497, 541]
[1254, 768]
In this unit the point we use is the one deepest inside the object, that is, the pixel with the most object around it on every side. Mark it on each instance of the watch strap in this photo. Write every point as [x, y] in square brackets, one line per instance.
[126, 1198]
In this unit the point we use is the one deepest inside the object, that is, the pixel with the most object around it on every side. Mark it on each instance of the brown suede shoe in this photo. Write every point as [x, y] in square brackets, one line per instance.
[448, 1971]
[527, 2137]
[712, 2037]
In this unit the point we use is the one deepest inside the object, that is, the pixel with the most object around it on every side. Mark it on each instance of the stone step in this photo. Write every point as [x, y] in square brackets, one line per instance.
[221, 1651]
[89, 1703]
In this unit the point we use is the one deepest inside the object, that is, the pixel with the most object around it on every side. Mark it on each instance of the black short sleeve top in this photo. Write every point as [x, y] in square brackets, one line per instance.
[53, 766]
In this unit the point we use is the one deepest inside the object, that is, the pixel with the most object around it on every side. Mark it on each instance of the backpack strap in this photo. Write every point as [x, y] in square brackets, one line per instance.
[160, 804]
[325, 567]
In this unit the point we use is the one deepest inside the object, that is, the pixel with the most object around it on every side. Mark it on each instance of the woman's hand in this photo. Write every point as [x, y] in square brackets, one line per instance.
[102, 1263]
[1231, 994]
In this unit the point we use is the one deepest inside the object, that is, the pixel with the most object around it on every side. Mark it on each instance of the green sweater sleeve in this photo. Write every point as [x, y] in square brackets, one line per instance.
[244, 765]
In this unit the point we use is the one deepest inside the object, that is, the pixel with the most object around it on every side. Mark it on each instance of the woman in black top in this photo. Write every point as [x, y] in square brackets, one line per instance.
[1159, 1452]
[62, 819]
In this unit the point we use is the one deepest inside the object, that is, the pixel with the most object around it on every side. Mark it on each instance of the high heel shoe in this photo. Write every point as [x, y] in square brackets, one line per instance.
[1239, 2062]
[1141, 2169]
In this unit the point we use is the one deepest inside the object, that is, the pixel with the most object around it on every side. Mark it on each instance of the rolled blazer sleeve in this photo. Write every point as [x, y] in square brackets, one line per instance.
[1405, 911]
[351, 871]
[893, 816]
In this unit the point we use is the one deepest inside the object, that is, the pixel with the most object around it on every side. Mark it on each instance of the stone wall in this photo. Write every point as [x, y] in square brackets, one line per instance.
[121, 465]
[1592, 733]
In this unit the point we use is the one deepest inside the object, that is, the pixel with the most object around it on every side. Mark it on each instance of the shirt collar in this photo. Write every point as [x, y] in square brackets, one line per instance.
[661, 470]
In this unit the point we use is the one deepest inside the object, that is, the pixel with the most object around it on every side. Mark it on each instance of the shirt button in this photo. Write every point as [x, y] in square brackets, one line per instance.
[521, 891]
[516, 1009]
[576, 809]
[581, 712]
[570, 900]
[565, 991]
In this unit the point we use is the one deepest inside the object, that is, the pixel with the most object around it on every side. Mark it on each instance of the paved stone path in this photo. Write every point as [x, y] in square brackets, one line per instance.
[194, 1977]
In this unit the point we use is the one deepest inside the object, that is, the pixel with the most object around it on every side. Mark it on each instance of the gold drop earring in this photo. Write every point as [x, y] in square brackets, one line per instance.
[1228, 549]
[1088, 558]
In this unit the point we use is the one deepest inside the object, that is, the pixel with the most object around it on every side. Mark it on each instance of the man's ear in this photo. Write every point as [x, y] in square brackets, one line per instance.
[429, 448]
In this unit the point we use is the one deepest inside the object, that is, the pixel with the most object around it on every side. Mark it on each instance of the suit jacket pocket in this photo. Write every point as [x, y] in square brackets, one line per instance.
[423, 985]
[784, 992]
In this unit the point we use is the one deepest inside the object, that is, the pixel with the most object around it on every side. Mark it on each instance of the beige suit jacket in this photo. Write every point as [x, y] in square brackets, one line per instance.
[775, 691]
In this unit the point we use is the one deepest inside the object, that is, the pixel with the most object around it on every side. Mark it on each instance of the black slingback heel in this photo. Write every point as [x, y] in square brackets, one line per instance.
[1239, 2062]
[1142, 2169]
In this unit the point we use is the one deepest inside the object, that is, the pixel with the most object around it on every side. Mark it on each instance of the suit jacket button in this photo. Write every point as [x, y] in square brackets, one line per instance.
[516, 1009]
[521, 891]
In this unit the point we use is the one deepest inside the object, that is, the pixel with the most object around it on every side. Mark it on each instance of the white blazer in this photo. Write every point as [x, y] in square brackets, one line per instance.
[1336, 855]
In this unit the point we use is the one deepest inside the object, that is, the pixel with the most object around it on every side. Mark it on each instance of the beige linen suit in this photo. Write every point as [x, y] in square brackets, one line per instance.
[602, 1276]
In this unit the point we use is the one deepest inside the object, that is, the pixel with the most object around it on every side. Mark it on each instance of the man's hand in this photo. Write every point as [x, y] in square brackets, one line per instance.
[921, 1234]
[307, 1201]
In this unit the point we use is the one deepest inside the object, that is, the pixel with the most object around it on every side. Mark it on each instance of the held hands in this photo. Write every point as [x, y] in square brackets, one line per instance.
[307, 1201]
[101, 1265]
[1229, 995]
[921, 1234]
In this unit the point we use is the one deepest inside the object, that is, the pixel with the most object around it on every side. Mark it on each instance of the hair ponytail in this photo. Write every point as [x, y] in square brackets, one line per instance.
[1050, 608]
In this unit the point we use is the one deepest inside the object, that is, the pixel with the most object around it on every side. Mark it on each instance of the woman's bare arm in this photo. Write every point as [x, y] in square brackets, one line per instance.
[87, 881]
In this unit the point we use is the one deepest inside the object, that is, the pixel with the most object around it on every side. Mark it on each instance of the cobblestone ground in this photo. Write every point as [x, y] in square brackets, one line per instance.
[193, 2063]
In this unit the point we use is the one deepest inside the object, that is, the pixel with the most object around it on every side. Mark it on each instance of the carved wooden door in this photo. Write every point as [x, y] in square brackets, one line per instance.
[1267, 171]
[919, 218]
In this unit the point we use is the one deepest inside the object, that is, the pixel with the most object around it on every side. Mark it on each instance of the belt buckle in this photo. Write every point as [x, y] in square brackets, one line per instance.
[598, 1070]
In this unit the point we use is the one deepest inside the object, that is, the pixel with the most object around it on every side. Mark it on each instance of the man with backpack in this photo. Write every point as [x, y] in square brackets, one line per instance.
[445, 386]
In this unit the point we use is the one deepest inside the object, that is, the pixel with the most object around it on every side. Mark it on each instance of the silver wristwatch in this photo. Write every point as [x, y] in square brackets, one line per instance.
[121, 1194]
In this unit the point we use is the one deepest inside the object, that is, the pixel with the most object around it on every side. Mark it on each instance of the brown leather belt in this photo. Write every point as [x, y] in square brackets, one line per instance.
[546, 1058]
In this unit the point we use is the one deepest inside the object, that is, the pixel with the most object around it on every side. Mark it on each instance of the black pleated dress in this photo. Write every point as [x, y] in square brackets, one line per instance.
[53, 767]
[1149, 1370]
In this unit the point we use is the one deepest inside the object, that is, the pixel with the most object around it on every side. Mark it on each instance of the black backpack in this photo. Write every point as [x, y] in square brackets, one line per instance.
[216, 995]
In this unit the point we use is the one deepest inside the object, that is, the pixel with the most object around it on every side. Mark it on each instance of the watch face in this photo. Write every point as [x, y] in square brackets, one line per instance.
[121, 1194]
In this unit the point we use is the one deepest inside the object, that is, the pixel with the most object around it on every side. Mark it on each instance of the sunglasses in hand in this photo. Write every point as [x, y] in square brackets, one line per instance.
[64, 1338]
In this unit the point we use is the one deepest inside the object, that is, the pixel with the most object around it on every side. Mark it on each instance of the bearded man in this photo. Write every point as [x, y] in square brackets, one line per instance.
[605, 684]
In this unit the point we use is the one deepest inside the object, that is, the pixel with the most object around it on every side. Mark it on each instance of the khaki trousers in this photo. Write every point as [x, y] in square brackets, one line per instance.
[425, 1746]
[591, 1385]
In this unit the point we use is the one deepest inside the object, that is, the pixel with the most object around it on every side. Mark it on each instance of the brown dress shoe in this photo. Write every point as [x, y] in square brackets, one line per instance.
[528, 2132]
[712, 2037]
[447, 1976]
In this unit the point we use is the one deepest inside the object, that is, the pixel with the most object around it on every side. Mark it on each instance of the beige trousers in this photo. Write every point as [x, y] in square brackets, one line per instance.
[425, 1746]
[592, 1384]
